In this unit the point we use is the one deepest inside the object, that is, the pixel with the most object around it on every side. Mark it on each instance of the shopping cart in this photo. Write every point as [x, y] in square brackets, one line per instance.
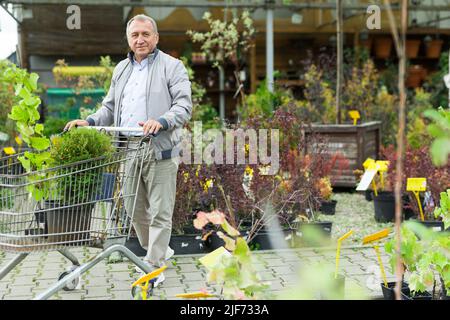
[100, 215]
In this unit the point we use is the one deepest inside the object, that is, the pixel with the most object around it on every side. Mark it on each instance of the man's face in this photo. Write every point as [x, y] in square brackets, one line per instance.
[141, 38]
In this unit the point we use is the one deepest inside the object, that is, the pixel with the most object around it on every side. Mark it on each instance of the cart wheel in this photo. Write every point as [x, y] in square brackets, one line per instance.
[136, 292]
[70, 286]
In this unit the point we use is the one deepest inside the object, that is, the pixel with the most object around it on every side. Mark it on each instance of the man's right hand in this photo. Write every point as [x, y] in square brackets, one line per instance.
[78, 123]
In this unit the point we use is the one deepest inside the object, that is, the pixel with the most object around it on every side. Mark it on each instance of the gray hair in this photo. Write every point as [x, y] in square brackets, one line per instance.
[142, 17]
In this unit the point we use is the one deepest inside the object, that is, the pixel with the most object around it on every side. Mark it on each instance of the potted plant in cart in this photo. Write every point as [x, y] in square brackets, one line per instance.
[80, 157]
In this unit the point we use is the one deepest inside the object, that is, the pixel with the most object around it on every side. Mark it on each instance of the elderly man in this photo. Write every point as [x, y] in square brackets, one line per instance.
[151, 89]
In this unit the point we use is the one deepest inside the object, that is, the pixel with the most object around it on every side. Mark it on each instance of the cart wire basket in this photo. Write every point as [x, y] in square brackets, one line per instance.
[88, 203]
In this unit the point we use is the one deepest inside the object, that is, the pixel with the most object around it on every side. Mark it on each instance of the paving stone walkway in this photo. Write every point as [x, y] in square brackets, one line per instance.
[112, 281]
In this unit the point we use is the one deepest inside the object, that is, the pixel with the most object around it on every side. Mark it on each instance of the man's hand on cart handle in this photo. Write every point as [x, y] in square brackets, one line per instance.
[76, 123]
[151, 127]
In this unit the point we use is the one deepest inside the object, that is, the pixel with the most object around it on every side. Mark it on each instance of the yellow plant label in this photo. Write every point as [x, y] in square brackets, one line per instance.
[149, 276]
[416, 184]
[345, 236]
[9, 151]
[368, 163]
[18, 140]
[366, 179]
[382, 165]
[376, 236]
[354, 114]
[195, 295]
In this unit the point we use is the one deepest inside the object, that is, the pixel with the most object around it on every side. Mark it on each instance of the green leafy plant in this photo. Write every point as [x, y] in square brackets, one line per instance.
[25, 114]
[74, 146]
[235, 272]
[423, 252]
[443, 211]
[7, 100]
[439, 129]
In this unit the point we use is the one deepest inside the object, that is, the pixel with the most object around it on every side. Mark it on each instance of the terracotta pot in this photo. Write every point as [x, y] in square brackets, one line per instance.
[412, 48]
[383, 47]
[433, 48]
[414, 76]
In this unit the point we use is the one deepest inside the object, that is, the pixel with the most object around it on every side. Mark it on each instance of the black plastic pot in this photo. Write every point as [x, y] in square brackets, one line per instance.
[264, 240]
[384, 205]
[388, 292]
[213, 242]
[328, 207]
[434, 225]
[418, 296]
[134, 246]
[368, 195]
[187, 244]
[73, 223]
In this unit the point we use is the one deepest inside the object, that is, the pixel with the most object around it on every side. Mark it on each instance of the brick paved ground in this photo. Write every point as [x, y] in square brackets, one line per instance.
[112, 281]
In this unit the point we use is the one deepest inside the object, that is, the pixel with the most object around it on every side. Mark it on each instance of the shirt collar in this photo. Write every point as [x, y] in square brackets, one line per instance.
[147, 60]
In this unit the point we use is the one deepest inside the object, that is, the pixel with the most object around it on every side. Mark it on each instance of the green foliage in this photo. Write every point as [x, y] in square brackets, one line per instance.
[262, 102]
[417, 134]
[7, 100]
[208, 115]
[435, 85]
[439, 129]
[422, 252]
[443, 210]
[25, 114]
[80, 144]
[74, 146]
[235, 271]
[203, 112]
[54, 126]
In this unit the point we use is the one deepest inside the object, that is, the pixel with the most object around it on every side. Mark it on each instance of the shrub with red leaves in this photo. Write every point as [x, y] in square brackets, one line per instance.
[418, 164]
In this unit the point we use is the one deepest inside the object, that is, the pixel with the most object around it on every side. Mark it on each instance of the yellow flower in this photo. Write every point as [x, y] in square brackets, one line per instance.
[249, 171]
[208, 184]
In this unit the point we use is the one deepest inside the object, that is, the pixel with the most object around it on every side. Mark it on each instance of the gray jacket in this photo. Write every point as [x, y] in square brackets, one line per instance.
[168, 100]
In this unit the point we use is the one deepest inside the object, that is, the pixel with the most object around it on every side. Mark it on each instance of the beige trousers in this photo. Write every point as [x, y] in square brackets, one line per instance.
[155, 201]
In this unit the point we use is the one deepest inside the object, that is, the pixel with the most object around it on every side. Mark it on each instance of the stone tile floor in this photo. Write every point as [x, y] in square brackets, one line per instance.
[112, 281]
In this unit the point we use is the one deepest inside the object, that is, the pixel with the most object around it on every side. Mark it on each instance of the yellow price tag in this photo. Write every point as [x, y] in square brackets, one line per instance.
[382, 165]
[368, 163]
[416, 184]
[18, 140]
[195, 295]
[354, 114]
[376, 236]
[9, 151]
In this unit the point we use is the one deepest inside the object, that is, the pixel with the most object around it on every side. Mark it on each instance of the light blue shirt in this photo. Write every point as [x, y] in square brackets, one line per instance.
[133, 108]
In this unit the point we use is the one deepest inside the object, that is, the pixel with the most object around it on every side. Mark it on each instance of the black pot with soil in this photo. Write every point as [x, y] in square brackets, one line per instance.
[187, 244]
[69, 224]
[384, 205]
[417, 296]
[388, 292]
[328, 207]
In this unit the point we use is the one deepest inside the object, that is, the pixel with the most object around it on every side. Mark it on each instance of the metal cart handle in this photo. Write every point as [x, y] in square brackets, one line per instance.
[122, 129]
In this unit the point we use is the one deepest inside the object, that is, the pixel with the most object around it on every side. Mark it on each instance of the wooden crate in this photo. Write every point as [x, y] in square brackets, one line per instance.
[356, 143]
